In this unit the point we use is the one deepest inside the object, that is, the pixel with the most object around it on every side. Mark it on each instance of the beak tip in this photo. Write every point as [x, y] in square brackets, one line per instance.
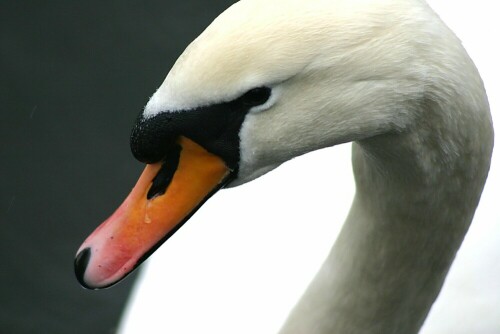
[81, 262]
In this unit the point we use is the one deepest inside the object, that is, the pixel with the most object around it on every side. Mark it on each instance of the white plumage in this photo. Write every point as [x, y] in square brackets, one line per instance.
[384, 92]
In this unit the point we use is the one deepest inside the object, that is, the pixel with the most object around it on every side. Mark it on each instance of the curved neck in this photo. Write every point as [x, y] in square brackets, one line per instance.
[413, 205]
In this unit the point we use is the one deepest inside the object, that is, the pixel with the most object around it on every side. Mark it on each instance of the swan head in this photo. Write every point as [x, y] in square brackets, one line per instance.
[265, 82]
[318, 65]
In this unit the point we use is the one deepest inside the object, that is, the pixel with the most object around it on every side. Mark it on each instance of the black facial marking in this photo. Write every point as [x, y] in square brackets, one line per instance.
[215, 127]
[166, 173]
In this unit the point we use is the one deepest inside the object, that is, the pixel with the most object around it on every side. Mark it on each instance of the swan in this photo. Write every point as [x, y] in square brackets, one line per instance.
[262, 85]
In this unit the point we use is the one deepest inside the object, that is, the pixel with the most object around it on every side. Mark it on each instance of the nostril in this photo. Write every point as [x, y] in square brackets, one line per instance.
[81, 262]
[165, 175]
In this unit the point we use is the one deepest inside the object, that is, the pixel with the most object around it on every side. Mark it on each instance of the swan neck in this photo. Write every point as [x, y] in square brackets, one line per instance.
[407, 221]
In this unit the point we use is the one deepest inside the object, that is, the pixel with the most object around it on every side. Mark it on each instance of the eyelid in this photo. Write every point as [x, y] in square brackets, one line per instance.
[275, 93]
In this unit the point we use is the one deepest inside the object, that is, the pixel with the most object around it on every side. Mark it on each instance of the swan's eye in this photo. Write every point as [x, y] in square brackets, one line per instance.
[257, 96]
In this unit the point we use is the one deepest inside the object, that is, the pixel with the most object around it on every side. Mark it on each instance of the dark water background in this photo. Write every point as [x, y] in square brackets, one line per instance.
[73, 77]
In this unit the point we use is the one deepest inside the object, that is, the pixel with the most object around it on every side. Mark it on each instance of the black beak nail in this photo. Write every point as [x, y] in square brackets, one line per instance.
[81, 262]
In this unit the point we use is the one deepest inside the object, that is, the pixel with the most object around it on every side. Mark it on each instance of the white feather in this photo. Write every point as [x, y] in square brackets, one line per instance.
[391, 78]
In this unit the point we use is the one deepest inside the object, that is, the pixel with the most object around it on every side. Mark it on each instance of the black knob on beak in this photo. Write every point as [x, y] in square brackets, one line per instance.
[152, 138]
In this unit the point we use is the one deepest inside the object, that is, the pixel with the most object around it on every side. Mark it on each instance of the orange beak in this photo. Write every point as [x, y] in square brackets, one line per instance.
[164, 197]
